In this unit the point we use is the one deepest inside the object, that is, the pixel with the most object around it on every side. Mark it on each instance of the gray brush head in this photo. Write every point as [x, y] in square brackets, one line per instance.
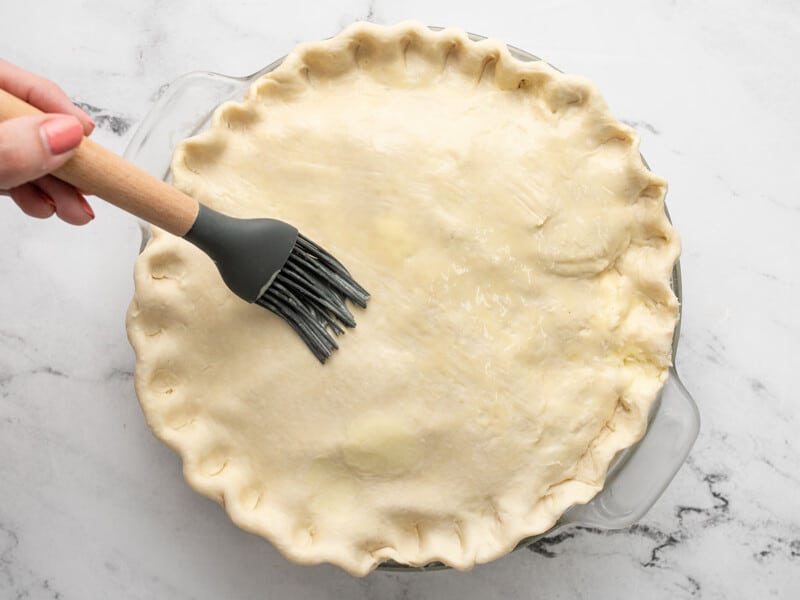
[268, 262]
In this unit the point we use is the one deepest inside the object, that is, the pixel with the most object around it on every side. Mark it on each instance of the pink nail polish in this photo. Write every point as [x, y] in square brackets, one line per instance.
[62, 134]
[85, 205]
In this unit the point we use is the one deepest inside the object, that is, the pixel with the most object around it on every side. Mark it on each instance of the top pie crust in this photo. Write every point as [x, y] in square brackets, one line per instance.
[519, 259]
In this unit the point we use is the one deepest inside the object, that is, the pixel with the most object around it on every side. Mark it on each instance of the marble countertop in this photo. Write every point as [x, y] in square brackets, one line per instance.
[93, 506]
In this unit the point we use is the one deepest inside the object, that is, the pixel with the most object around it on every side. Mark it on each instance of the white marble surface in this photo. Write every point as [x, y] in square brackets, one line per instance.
[92, 506]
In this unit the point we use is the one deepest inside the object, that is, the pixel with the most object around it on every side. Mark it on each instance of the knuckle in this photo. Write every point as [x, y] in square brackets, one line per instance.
[13, 159]
[45, 90]
[53, 88]
[19, 158]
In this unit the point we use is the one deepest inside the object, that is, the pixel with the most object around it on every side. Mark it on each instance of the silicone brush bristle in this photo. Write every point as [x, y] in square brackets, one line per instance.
[309, 293]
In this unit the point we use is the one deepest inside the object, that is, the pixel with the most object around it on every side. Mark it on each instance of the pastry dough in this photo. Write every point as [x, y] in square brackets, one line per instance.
[519, 259]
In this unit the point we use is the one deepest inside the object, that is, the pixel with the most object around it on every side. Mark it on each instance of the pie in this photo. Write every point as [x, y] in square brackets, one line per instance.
[520, 326]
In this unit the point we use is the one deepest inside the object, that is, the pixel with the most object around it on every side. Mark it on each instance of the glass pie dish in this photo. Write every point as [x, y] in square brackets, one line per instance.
[638, 475]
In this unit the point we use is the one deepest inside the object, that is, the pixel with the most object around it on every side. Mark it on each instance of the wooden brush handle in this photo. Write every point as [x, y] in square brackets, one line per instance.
[95, 170]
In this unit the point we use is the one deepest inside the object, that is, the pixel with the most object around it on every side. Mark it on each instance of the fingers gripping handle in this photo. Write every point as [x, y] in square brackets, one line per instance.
[95, 170]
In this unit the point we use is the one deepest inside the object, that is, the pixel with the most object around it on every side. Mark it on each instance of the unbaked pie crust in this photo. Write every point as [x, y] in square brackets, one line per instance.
[519, 259]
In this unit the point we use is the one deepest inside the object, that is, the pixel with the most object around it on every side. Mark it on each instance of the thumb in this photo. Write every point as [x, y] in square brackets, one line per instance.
[32, 146]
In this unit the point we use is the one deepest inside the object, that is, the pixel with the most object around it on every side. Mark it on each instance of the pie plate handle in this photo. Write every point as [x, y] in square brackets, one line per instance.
[182, 109]
[637, 480]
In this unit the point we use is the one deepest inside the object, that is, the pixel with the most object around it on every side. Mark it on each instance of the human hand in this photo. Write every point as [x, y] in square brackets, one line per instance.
[33, 146]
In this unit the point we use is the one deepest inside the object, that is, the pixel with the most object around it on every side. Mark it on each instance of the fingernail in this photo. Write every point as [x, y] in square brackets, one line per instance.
[85, 205]
[47, 199]
[62, 134]
[87, 120]
[90, 122]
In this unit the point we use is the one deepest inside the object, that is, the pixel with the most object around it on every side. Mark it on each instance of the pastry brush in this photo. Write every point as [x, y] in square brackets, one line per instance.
[263, 261]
